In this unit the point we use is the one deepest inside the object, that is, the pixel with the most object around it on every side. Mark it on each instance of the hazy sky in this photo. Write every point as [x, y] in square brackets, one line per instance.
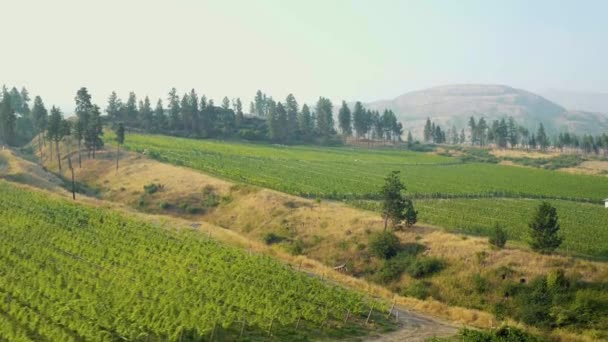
[352, 50]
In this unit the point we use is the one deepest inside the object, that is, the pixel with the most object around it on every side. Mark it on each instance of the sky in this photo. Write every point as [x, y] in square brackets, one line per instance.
[344, 50]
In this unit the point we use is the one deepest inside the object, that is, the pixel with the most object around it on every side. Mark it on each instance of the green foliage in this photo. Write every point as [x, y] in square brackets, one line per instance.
[416, 267]
[544, 228]
[498, 236]
[481, 285]
[478, 155]
[90, 272]
[393, 202]
[502, 334]
[424, 267]
[272, 238]
[418, 289]
[383, 245]
[152, 188]
[410, 215]
[553, 163]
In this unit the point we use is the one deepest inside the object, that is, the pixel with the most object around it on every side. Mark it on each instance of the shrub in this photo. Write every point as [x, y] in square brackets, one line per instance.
[480, 284]
[272, 238]
[383, 245]
[296, 247]
[152, 188]
[502, 334]
[392, 269]
[498, 236]
[164, 205]
[195, 210]
[418, 289]
[544, 229]
[424, 267]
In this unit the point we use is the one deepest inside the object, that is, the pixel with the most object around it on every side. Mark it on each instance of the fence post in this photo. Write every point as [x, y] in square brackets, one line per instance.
[369, 314]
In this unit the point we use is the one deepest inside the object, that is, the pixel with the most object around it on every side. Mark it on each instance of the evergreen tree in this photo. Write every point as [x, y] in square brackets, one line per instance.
[359, 120]
[260, 104]
[114, 108]
[410, 139]
[541, 138]
[56, 131]
[238, 109]
[25, 99]
[146, 116]
[410, 215]
[291, 107]
[174, 109]
[305, 123]
[160, 123]
[130, 110]
[93, 131]
[473, 127]
[463, 137]
[393, 202]
[120, 139]
[40, 116]
[544, 229]
[428, 130]
[344, 119]
[325, 118]
[8, 120]
[513, 133]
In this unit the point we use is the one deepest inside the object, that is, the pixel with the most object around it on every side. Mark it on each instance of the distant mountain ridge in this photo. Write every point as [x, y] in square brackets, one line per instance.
[453, 105]
[578, 100]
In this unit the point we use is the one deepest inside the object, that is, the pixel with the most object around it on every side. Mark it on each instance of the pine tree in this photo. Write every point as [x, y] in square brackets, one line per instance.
[56, 131]
[393, 202]
[238, 109]
[344, 119]
[359, 120]
[544, 229]
[40, 116]
[174, 109]
[113, 108]
[325, 118]
[160, 119]
[291, 107]
[410, 215]
[146, 116]
[305, 123]
[130, 108]
[541, 138]
[120, 139]
[428, 130]
[8, 120]
[410, 139]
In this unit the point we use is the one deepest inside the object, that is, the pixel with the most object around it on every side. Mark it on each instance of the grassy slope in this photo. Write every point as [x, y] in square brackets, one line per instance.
[331, 232]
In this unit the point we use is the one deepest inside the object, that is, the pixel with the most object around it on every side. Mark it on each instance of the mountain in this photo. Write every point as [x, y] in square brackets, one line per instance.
[590, 102]
[453, 105]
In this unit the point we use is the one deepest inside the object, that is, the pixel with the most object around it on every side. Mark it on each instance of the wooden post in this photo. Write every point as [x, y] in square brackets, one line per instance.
[298, 322]
[347, 315]
[369, 314]
[243, 326]
[391, 310]
[270, 329]
[72, 170]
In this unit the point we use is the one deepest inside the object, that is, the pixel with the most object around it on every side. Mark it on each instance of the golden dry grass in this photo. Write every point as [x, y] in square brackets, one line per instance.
[506, 153]
[590, 167]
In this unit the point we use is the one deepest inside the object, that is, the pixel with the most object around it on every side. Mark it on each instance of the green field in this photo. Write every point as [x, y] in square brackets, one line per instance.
[73, 273]
[349, 173]
[482, 194]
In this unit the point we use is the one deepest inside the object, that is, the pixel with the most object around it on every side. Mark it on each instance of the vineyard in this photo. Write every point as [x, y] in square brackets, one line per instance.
[347, 173]
[71, 273]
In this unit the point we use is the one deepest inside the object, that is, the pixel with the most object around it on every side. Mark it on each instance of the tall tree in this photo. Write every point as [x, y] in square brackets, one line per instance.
[40, 116]
[544, 229]
[428, 130]
[160, 119]
[8, 120]
[174, 109]
[113, 109]
[146, 116]
[541, 138]
[325, 118]
[238, 109]
[291, 109]
[344, 120]
[93, 131]
[56, 131]
[305, 123]
[393, 202]
[131, 115]
[359, 120]
[120, 139]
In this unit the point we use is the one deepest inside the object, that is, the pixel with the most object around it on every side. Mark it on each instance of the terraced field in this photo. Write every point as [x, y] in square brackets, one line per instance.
[76, 273]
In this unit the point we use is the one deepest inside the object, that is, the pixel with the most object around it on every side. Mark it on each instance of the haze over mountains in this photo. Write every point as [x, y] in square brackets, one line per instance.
[453, 105]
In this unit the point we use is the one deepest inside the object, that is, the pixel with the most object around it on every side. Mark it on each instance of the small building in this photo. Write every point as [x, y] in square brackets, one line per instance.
[606, 203]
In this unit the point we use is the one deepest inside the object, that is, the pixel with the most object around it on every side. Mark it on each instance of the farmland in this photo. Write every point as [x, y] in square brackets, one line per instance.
[72, 272]
[357, 174]
[347, 173]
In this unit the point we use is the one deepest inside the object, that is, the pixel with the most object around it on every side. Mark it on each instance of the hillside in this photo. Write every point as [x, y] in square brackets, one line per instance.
[576, 100]
[455, 104]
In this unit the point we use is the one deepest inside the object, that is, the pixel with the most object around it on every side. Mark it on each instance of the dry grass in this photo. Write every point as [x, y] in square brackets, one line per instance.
[505, 153]
[591, 167]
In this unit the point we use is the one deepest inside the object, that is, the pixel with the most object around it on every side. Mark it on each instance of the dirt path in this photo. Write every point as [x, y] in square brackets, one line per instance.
[415, 327]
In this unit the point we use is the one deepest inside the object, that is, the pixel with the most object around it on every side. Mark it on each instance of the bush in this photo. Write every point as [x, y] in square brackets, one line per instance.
[272, 238]
[480, 284]
[383, 245]
[418, 289]
[296, 247]
[502, 334]
[498, 237]
[392, 269]
[152, 188]
[425, 267]
[164, 205]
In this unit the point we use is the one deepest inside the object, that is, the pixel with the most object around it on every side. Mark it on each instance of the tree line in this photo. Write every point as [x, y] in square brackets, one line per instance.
[507, 133]
[285, 121]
